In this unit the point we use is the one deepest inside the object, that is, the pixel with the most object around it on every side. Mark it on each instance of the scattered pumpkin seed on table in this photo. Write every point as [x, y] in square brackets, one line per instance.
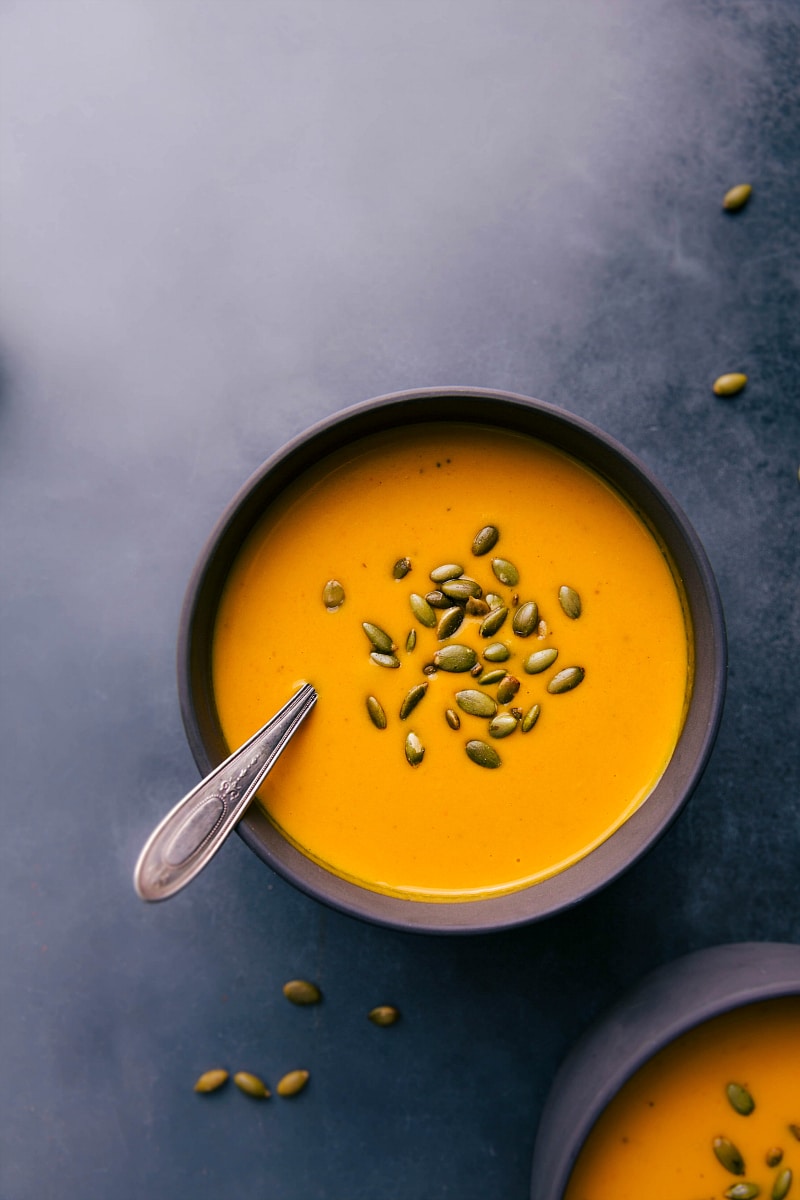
[209, 1081]
[384, 1014]
[292, 1083]
[251, 1085]
[301, 991]
[737, 196]
[730, 384]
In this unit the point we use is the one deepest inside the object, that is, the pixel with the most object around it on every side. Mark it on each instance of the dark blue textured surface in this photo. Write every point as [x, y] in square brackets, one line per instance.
[221, 222]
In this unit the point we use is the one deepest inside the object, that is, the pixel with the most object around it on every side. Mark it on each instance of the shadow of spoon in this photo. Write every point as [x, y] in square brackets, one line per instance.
[192, 833]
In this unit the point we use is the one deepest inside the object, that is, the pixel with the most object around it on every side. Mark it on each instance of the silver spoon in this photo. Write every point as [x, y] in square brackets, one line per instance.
[192, 833]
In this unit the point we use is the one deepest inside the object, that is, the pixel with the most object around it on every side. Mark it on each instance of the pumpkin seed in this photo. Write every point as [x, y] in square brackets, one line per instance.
[401, 568]
[541, 631]
[570, 601]
[411, 640]
[774, 1156]
[384, 1014]
[737, 196]
[742, 1191]
[455, 658]
[540, 660]
[378, 638]
[452, 718]
[508, 688]
[783, 1181]
[493, 676]
[493, 600]
[485, 540]
[209, 1081]
[438, 599]
[476, 703]
[292, 1083]
[445, 572]
[483, 755]
[300, 991]
[476, 671]
[422, 610]
[429, 669]
[794, 1130]
[449, 622]
[526, 619]
[505, 572]
[728, 1155]
[729, 384]
[740, 1099]
[251, 1084]
[412, 699]
[333, 595]
[476, 606]
[530, 718]
[566, 680]
[491, 623]
[415, 751]
[385, 660]
[497, 652]
[516, 712]
[502, 725]
[462, 589]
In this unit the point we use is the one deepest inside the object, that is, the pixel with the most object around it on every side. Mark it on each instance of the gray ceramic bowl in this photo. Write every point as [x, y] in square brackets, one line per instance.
[608, 459]
[666, 1004]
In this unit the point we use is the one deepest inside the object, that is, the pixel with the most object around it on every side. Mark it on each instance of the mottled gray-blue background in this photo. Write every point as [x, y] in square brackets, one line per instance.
[220, 221]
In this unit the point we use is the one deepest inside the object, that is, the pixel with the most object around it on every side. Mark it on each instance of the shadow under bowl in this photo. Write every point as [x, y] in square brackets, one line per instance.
[630, 478]
[666, 1004]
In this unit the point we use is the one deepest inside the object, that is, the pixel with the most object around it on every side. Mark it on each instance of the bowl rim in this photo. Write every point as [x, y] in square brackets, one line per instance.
[629, 476]
[667, 1002]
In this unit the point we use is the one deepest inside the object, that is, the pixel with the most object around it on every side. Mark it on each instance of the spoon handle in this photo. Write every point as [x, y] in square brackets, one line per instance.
[190, 835]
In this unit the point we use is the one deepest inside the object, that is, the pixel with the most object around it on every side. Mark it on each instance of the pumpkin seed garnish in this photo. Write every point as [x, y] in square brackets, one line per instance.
[540, 660]
[476, 606]
[385, 660]
[422, 610]
[476, 671]
[429, 669]
[487, 678]
[507, 689]
[401, 568]
[566, 680]
[476, 703]
[794, 1130]
[502, 725]
[505, 572]
[742, 1191]
[530, 718]
[783, 1181]
[729, 1155]
[482, 754]
[412, 699]
[497, 652]
[251, 1084]
[730, 384]
[384, 1014]
[415, 751]
[455, 658]
[411, 640]
[493, 600]
[449, 622]
[516, 712]
[445, 572]
[492, 622]
[452, 718]
[378, 638]
[437, 599]
[485, 540]
[462, 589]
[300, 991]
[333, 595]
[737, 196]
[740, 1099]
[526, 619]
[292, 1083]
[774, 1156]
[209, 1081]
[570, 601]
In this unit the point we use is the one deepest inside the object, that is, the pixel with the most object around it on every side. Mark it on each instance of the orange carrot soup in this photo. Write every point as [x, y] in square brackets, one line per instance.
[499, 646]
[714, 1116]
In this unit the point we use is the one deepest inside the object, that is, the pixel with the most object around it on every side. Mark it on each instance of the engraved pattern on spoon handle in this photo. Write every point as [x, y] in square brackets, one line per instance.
[192, 832]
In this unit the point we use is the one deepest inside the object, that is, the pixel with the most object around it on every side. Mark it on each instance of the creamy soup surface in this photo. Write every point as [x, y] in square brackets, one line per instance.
[656, 1138]
[447, 828]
